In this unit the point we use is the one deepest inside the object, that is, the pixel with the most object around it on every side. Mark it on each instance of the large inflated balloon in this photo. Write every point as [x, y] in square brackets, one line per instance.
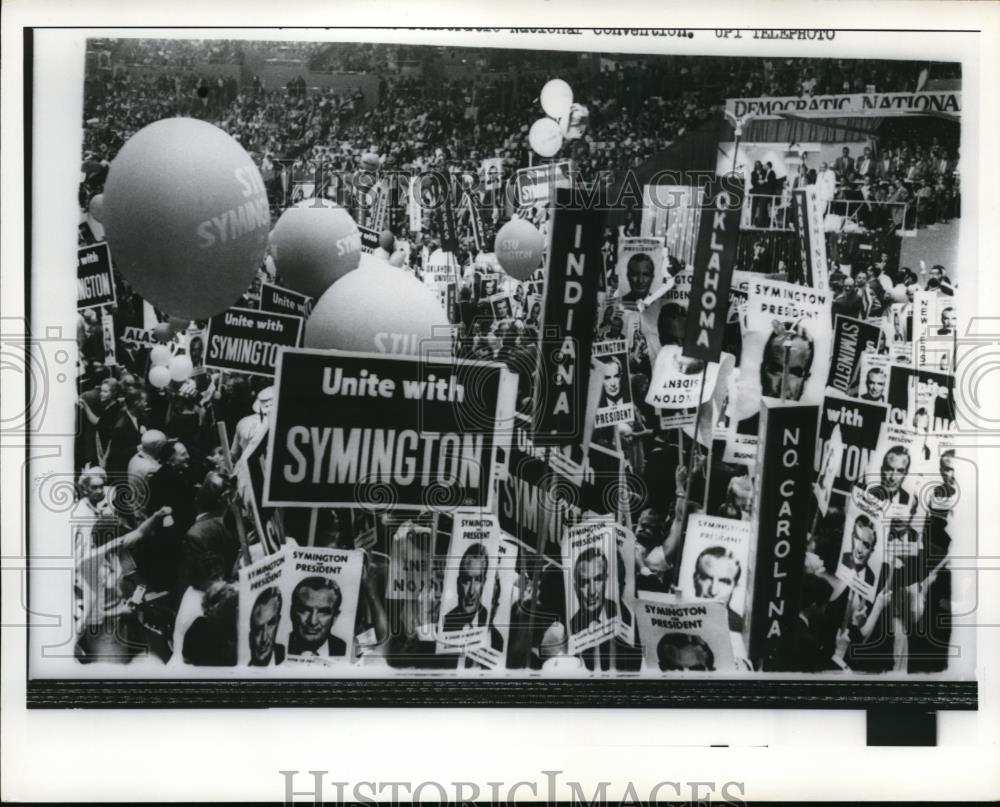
[159, 356]
[180, 367]
[377, 309]
[556, 98]
[186, 217]
[315, 246]
[519, 248]
[96, 208]
[159, 376]
[178, 325]
[545, 138]
[162, 332]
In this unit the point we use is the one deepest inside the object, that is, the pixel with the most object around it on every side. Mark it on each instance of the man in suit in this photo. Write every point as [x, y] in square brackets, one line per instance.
[889, 488]
[316, 604]
[863, 540]
[948, 322]
[472, 571]
[716, 575]
[640, 273]
[264, 618]
[866, 167]
[209, 549]
[875, 382]
[127, 431]
[844, 166]
[590, 578]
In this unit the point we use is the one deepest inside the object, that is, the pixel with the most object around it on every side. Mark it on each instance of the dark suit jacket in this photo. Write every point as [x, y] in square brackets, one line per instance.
[277, 656]
[125, 439]
[581, 620]
[456, 619]
[335, 646]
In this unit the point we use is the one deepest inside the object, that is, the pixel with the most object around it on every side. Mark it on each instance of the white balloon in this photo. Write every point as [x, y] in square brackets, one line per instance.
[159, 356]
[159, 376]
[556, 98]
[545, 138]
[180, 367]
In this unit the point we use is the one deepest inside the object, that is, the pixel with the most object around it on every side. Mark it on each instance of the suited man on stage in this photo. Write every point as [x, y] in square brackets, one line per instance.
[844, 166]
[866, 167]
[316, 603]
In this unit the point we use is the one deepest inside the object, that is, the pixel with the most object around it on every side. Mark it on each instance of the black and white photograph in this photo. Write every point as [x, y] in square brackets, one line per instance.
[547, 368]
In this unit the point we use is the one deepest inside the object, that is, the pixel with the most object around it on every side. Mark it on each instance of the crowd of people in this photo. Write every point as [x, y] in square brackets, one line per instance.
[155, 465]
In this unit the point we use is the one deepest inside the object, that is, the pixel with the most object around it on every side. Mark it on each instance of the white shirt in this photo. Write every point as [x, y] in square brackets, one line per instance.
[826, 185]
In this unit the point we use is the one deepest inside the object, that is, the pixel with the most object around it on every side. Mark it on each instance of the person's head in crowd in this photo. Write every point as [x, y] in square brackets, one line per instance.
[614, 377]
[758, 167]
[823, 166]
[670, 323]
[739, 494]
[875, 382]
[108, 391]
[220, 606]
[860, 279]
[716, 574]
[640, 272]
[472, 571]
[127, 381]
[316, 602]
[136, 402]
[91, 484]
[263, 402]
[684, 651]
[786, 363]
[210, 497]
[152, 443]
[176, 456]
[895, 467]
[846, 152]
[590, 577]
[863, 540]
[264, 619]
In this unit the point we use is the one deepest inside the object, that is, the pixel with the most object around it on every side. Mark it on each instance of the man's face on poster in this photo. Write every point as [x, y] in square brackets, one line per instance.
[613, 380]
[947, 467]
[264, 628]
[503, 309]
[313, 613]
[715, 578]
[471, 580]
[876, 383]
[798, 363]
[862, 545]
[640, 273]
[894, 470]
[590, 579]
[948, 319]
[685, 657]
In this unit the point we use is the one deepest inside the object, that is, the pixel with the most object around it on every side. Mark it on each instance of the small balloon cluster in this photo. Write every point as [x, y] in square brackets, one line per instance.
[564, 120]
[164, 365]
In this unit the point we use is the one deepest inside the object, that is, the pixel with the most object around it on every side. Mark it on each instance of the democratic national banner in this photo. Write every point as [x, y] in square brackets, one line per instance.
[860, 426]
[362, 430]
[882, 104]
[787, 441]
[321, 586]
[714, 564]
[262, 605]
[248, 341]
[95, 285]
[284, 301]
[715, 256]
[852, 338]
[809, 216]
[567, 328]
[590, 555]
[469, 582]
[687, 636]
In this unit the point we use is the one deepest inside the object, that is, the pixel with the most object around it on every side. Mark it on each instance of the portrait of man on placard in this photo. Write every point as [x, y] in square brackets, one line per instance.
[472, 573]
[315, 606]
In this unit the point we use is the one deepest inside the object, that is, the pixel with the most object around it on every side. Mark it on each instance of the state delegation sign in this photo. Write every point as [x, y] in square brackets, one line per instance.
[370, 431]
[94, 283]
